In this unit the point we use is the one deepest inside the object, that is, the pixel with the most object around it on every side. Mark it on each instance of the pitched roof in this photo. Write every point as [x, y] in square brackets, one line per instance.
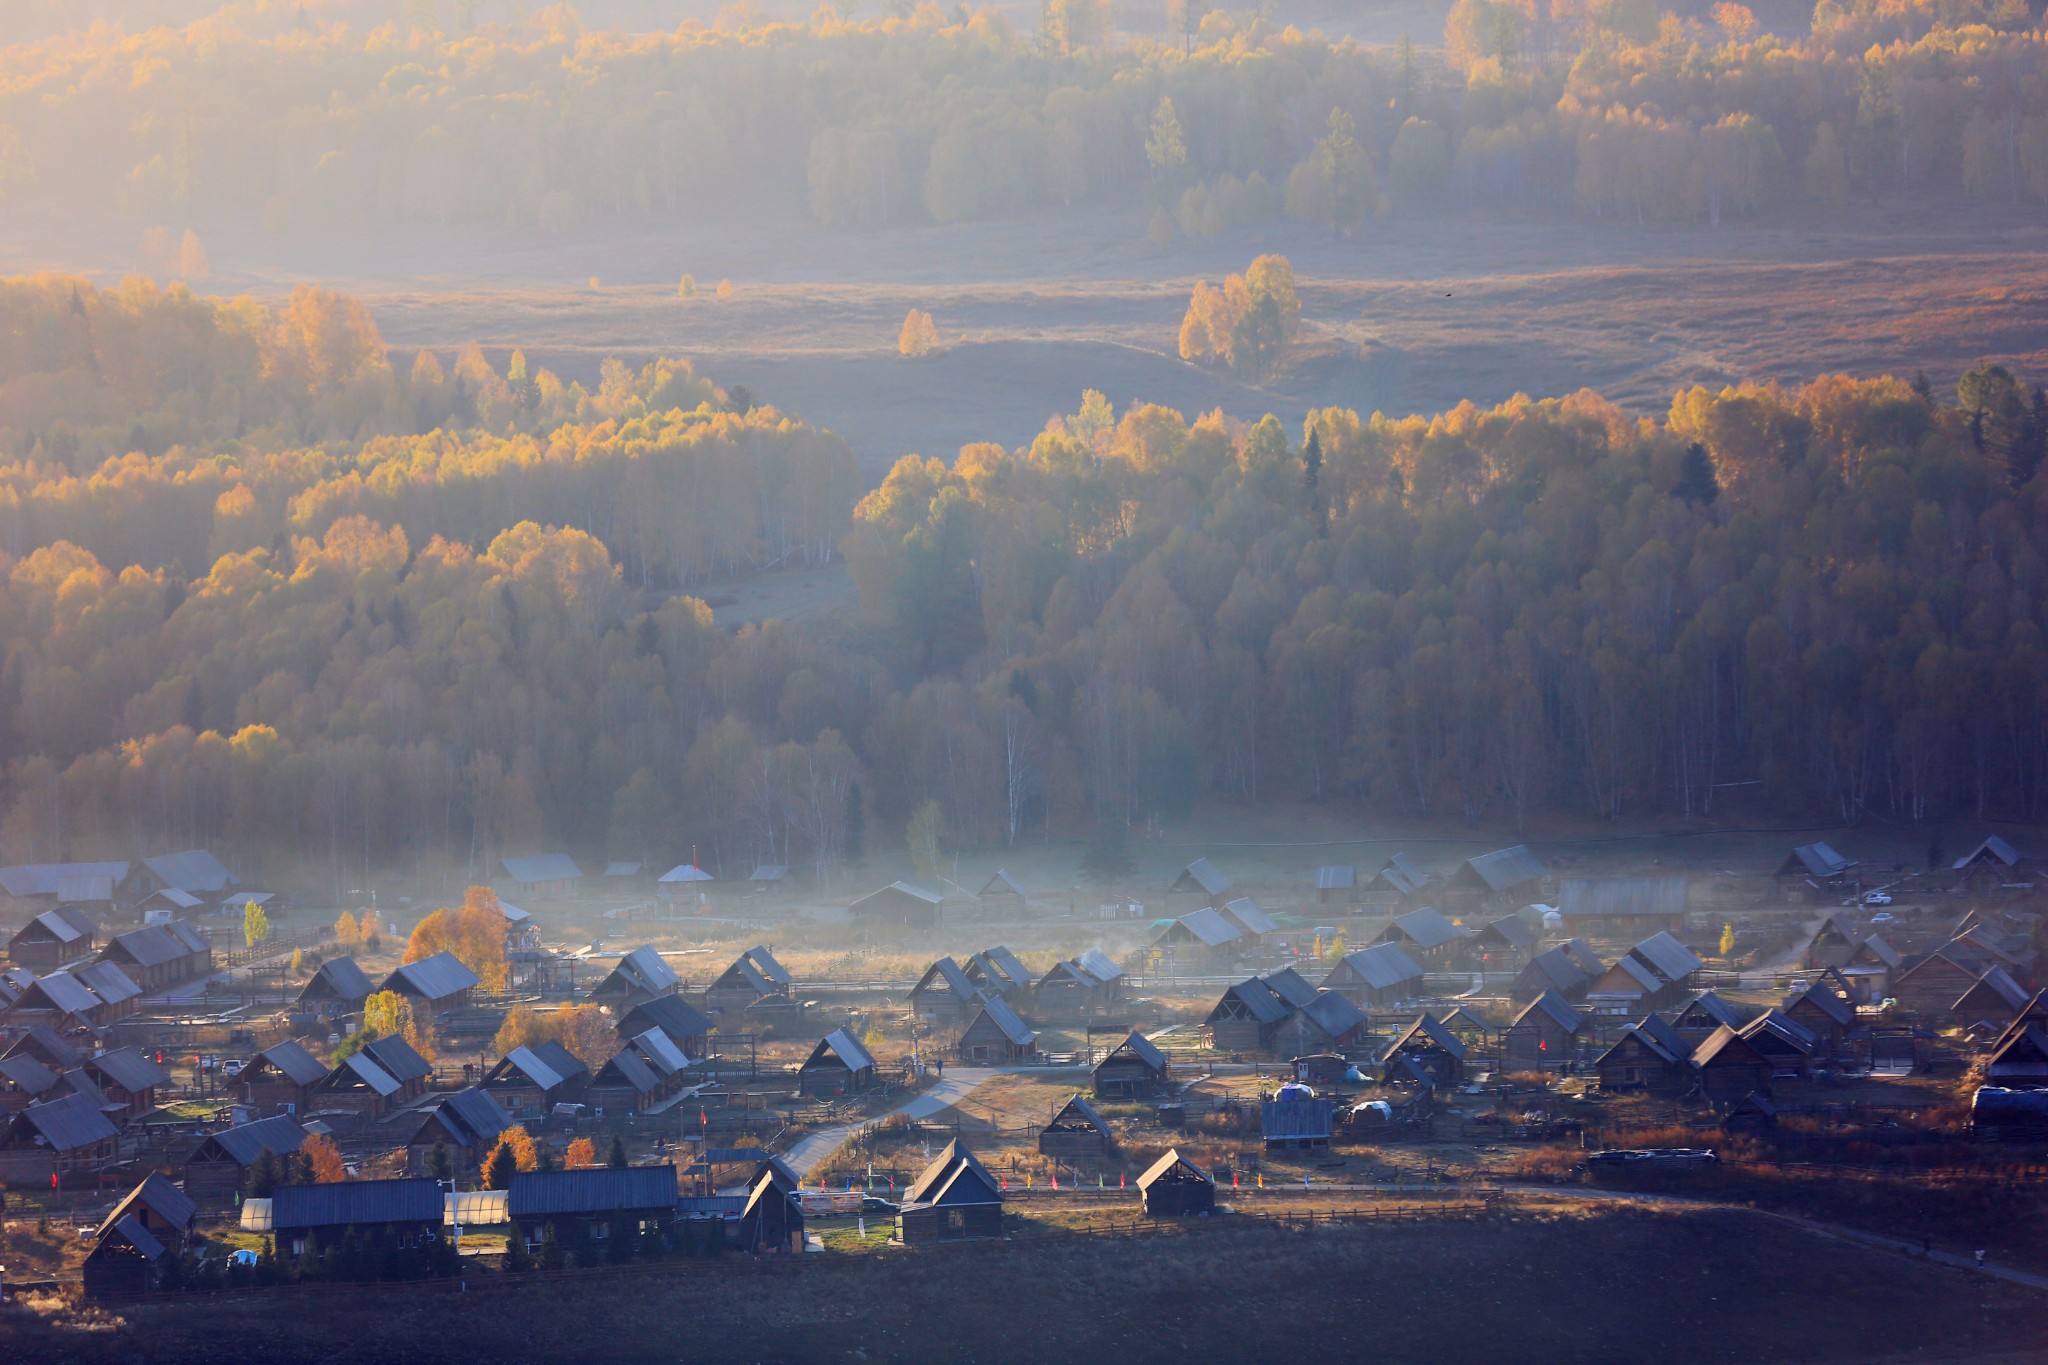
[195, 869]
[127, 1068]
[686, 872]
[560, 1060]
[646, 970]
[432, 978]
[1992, 849]
[473, 1115]
[949, 974]
[1209, 928]
[954, 1168]
[765, 963]
[398, 1058]
[842, 1044]
[1774, 1021]
[1258, 998]
[1007, 1019]
[1553, 1006]
[1336, 877]
[152, 946]
[1819, 860]
[1002, 884]
[1175, 1164]
[1880, 948]
[28, 1073]
[2000, 984]
[160, 1197]
[62, 925]
[1554, 968]
[174, 897]
[279, 1135]
[1201, 875]
[1141, 1047]
[1714, 1008]
[1097, 964]
[1333, 1013]
[1723, 1041]
[1507, 867]
[43, 1041]
[1289, 986]
[86, 886]
[541, 867]
[60, 991]
[1823, 998]
[293, 1062]
[1663, 1043]
[344, 978]
[106, 980]
[1654, 1028]
[769, 872]
[623, 869]
[1622, 898]
[1401, 873]
[628, 1066]
[1512, 930]
[672, 1014]
[1426, 928]
[528, 1064]
[600, 1189]
[661, 1052]
[1665, 955]
[1078, 1112]
[1581, 954]
[128, 1228]
[358, 1203]
[1635, 972]
[1382, 966]
[1428, 1027]
[47, 879]
[1247, 914]
[69, 1121]
[1007, 964]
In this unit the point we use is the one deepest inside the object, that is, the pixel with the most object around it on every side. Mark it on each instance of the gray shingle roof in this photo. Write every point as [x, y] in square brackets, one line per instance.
[1289, 985]
[62, 925]
[473, 1115]
[1512, 930]
[1713, 1008]
[343, 978]
[686, 872]
[358, 1203]
[127, 1068]
[1818, 860]
[398, 1058]
[1245, 912]
[60, 991]
[1555, 1007]
[560, 1060]
[28, 1073]
[842, 1044]
[195, 869]
[1208, 928]
[46, 879]
[949, 975]
[1622, 898]
[68, 1122]
[765, 963]
[129, 1229]
[1141, 1047]
[1632, 972]
[432, 978]
[1201, 875]
[646, 970]
[1426, 928]
[43, 1041]
[954, 1171]
[279, 1135]
[1508, 867]
[1333, 1013]
[1007, 964]
[1669, 958]
[1428, 1026]
[1382, 966]
[541, 867]
[1258, 999]
[1993, 849]
[1097, 964]
[160, 1197]
[628, 1066]
[107, 981]
[291, 1061]
[1007, 1019]
[1336, 877]
[602, 1189]
[1002, 884]
[672, 1014]
[152, 946]
[526, 1063]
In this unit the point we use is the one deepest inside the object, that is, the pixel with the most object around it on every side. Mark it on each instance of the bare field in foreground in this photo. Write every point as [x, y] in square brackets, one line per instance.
[1622, 1285]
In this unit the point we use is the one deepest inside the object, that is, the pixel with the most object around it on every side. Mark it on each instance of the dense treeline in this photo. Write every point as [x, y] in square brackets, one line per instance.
[161, 429]
[425, 649]
[1614, 109]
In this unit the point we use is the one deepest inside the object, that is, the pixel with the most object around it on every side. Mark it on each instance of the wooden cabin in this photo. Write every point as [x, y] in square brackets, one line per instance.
[640, 976]
[62, 1139]
[467, 1123]
[160, 955]
[1200, 878]
[1822, 1012]
[435, 985]
[336, 991]
[1426, 937]
[1076, 1134]
[997, 1036]
[1554, 972]
[219, 1166]
[281, 1079]
[1246, 1018]
[1622, 907]
[1000, 972]
[1256, 926]
[839, 1065]
[683, 1023]
[1502, 880]
[1001, 895]
[1833, 944]
[772, 1220]
[1174, 1187]
[1201, 938]
[1424, 1053]
[1397, 883]
[1696, 1021]
[530, 1081]
[1727, 1068]
[1787, 1046]
[955, 1199]
[147, 1229]
[1134, 1069]
[1544, 1036]
[1328, 1022]
[542, 874]
[1504, 943]
[377, 1214]
[128, 1079]
[641, 1075]
[896, 909]
[1379, 977]
[2020, 1058]
[52, 939]
[1649, 1057]
[594, 1204]
[1337, 884]
[753, 978]
[1296, 1125]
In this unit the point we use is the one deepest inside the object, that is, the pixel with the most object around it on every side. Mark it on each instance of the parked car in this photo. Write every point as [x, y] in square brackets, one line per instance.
[232, 1066]
[1878, 898]
[1884, 917]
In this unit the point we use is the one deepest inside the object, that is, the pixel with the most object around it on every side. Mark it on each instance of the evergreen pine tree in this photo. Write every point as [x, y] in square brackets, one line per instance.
[441, 1161]
[1696, 480]
[503, 1166]
[1312, 481]
[617, 1156]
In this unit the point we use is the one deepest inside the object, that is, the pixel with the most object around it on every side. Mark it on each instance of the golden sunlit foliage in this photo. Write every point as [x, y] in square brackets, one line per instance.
[474, 934]
[585, 1030]
[325, 1158]
[387, 1014]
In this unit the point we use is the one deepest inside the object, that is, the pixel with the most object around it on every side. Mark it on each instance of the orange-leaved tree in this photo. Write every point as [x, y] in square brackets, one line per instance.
[582, 1155]
[474, 934]
[519, 1143]
[325, 1157]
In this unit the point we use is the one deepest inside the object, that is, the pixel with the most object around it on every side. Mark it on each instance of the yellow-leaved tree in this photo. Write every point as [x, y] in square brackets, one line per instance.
[347, 933]
[474, 934]
[920, 336]
[387, 1014]
[581, 1156]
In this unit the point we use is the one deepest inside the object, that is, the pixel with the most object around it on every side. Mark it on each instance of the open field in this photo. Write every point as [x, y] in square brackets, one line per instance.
[1414, 315]
[1675, 1285]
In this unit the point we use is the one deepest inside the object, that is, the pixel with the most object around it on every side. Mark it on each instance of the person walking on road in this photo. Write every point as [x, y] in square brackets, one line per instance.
[1980, 1259]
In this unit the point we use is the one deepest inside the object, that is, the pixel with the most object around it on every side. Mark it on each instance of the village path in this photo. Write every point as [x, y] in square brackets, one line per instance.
[1903, 1246]
[958, 1083]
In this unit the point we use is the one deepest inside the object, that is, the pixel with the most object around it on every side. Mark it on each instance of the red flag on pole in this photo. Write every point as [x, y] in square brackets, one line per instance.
[53, 1180]
[1233, 1180]
[1120, 1181]
[1055, 1179]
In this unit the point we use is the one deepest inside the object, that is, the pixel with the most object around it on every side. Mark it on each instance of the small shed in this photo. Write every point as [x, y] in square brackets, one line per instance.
[772, 1221]
[127, 1259]
[896, 908]
[439, 984]
[1076, 1133]
[65, 1136]
[532, 1080]
[1650, 1057]
[1376, 977]
[219, 1167]
[1174, 1187]
[1003, 893]
[337, 990]
[1728, 1068]
[281, 1078]
[1336, 884]
[52, 939]
[1545, 1035]
[945, 994]
[543, 874]
[1200, 878]
[1426, 1049]
[640, 976]
[955, 1199]
[1296, 1125]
